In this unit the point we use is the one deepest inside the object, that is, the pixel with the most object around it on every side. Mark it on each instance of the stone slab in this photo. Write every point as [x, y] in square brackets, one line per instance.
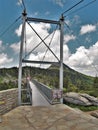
[56, 117]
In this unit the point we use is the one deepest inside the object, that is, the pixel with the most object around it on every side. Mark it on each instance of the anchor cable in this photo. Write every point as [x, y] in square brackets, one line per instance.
[86, 5]
[9, 27]
[72, 7]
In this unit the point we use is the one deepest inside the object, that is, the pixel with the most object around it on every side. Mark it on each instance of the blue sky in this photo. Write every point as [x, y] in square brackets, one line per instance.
[80, 41]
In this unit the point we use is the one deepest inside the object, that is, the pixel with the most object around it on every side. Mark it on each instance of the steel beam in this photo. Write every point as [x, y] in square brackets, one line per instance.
[40, 62]
[42, 20]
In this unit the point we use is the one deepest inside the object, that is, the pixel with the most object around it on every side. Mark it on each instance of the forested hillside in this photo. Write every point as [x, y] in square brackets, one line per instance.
[8, 78]
[73, 81]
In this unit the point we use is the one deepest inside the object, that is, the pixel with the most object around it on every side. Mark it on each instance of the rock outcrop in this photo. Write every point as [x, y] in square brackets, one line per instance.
[80, 99]
[54, 117]
[94, 113]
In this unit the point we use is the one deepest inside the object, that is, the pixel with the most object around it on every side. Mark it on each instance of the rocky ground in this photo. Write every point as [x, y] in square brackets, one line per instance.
[93, 113]
[56, 117]
[80, 99]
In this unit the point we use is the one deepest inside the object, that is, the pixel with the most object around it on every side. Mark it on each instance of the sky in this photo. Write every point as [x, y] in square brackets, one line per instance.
[80, 46]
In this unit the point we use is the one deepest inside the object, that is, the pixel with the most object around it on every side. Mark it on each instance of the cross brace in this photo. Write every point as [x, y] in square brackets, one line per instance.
[42, 20]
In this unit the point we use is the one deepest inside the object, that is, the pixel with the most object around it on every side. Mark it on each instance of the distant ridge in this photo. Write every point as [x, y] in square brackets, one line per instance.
[73, 80]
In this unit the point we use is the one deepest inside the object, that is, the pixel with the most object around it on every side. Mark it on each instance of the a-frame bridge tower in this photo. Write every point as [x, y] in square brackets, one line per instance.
[60, 23]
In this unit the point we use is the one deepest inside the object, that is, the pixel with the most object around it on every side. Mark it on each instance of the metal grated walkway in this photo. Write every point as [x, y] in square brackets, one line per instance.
[37, 98]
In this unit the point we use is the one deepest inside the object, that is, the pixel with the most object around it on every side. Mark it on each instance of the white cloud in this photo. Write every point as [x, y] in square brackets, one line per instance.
[4, 59]
[31, 38]
[67, 38]
[87, 29]
[19, 2]
[15, 47]
[40, 27]
[1, 46]
[42, 49]
[66, 53]
[82, 60]
[0, 43]
[85, 60]
[18, 31]
[79, 58]
[59, 2]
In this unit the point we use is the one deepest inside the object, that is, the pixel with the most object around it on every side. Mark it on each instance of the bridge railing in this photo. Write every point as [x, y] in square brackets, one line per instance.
[52, 95]
[26, 94]
[29, 92]
[46, 91]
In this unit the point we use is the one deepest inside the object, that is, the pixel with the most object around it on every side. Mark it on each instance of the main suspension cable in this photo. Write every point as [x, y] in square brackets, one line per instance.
[23, 4]
[20, 3]
[9, 27]
[72, 7]
[86, 5]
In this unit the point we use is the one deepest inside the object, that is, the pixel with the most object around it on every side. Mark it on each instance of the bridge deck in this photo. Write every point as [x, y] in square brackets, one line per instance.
[37, 98]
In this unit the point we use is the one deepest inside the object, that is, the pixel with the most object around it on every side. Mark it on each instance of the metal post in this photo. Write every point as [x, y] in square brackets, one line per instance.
[61, 53]
[20, 58]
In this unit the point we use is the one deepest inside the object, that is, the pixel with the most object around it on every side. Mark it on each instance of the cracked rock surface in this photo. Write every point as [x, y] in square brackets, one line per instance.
[56, 117]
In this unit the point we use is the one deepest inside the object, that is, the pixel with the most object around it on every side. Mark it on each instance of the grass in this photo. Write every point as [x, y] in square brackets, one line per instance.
[91, 92]
[83, 108]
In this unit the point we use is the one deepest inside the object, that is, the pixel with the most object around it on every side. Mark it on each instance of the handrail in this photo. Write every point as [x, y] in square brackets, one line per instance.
[52, 95]
[29, 92]
[46, 91]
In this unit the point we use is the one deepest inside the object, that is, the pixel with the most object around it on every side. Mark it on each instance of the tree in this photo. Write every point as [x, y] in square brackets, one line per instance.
[96, 82]
[66, 82]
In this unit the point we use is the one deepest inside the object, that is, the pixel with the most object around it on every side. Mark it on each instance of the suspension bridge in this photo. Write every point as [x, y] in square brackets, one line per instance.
[54, 116]
[22, 60]
[58, 60]
[48, 95]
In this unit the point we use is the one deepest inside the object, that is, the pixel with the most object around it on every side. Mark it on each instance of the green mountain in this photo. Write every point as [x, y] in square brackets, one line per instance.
[73, 81]
[8, 78]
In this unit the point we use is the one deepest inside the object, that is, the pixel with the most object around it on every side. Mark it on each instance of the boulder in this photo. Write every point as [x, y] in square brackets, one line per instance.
[92, 99]
[80, 99]
[95, 114]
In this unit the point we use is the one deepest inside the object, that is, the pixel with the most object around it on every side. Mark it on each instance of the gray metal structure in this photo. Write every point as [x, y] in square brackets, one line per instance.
[20, 57]
[60, 62]
[53, 96]
[61, 25]
[61, 53]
